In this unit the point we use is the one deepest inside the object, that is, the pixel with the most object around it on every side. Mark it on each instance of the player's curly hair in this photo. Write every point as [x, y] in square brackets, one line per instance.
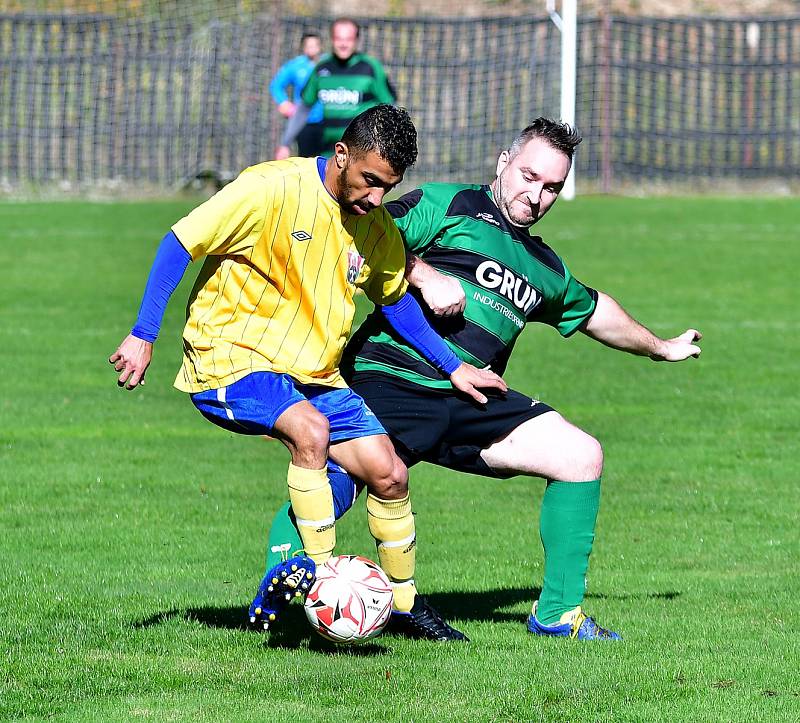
[387, 130]
[561, 136]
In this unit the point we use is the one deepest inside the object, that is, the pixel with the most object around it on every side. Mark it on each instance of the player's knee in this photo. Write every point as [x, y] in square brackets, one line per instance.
[388, 478]
[316, 436]
[591, 458]
[582, 459]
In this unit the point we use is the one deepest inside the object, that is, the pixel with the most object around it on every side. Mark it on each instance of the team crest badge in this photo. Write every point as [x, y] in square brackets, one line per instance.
[354, 263]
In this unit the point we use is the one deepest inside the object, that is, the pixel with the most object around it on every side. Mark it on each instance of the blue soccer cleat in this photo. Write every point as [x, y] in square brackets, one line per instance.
[581, 627]
[285, 581]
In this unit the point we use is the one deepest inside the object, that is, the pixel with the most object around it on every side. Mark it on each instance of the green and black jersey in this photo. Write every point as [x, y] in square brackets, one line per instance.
[510, 278]
[345, 89]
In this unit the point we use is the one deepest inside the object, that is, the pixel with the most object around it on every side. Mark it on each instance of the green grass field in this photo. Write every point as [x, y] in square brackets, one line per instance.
[132, 531]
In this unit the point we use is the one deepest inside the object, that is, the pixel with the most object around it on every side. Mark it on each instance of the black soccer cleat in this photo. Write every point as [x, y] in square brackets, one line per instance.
[423, 623]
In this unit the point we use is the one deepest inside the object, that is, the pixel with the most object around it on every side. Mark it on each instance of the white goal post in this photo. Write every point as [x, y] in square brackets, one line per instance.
[567, 23]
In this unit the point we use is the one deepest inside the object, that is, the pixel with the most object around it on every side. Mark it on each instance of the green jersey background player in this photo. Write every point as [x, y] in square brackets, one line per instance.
[476, 265]
[345, 83]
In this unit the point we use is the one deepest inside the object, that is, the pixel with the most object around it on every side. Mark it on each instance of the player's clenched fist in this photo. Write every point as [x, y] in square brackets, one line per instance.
[131, 359]
[442, 293]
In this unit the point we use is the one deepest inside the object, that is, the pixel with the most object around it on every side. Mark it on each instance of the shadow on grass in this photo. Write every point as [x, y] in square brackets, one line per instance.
[493, 605]
[670, 595]
[227, 618]
[294, 632]
[483, 605]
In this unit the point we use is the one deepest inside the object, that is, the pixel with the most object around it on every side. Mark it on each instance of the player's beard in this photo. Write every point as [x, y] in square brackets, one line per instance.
[505, 202]
[345, 189]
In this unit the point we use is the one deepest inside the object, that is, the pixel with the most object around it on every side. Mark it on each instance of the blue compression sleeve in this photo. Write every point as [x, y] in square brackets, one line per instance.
[407, 319]
[165, 275]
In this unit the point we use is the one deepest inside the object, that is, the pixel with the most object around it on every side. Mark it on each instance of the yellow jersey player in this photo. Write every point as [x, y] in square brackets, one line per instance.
[286, 245]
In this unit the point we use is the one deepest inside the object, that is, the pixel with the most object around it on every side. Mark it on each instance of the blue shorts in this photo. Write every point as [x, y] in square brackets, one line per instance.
[253, 404]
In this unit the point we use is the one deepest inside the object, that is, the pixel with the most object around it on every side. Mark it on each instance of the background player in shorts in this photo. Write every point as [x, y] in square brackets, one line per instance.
[474, 261]
[286, 245]
[346, 83]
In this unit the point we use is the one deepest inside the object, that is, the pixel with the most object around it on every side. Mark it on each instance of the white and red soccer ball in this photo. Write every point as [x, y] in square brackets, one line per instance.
[350, 601]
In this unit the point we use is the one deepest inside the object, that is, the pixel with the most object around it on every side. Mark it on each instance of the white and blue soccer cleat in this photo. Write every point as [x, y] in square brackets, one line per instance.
[285, 581]
[577, 626]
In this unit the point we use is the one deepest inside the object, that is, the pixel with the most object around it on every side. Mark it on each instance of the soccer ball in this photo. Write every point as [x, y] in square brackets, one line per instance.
[350, 601]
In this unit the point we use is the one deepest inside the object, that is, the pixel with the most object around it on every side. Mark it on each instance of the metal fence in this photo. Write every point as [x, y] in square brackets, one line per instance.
[699, 98]
[89, 99]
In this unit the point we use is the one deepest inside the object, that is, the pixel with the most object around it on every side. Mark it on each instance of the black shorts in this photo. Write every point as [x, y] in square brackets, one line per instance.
[309, 140]
[442, 426]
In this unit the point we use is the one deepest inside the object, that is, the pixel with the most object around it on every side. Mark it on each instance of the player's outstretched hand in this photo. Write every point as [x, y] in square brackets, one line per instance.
[680, 347]
[470, 379]
[131, 359]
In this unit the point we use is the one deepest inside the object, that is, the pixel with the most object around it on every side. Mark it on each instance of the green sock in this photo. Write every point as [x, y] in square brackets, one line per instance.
[283, 535]
[566, 525]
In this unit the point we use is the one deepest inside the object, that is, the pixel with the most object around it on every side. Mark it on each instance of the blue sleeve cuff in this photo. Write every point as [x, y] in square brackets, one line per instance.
[165, 275]
[407, 319]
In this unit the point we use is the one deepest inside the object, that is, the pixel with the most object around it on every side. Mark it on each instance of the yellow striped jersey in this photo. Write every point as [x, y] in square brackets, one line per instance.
[276, 291]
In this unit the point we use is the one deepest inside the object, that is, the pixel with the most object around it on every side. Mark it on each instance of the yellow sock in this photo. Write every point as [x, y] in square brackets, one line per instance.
[312, 502]
[404, 594]
[392, 525]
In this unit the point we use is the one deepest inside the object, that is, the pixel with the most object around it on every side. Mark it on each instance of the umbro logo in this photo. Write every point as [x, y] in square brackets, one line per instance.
[323, 72]
[301, 236]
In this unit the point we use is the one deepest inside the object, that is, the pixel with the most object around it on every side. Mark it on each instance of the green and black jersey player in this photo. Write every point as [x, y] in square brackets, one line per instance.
[345, 89]
[473, 255]
[345, 83]
[509, 279]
